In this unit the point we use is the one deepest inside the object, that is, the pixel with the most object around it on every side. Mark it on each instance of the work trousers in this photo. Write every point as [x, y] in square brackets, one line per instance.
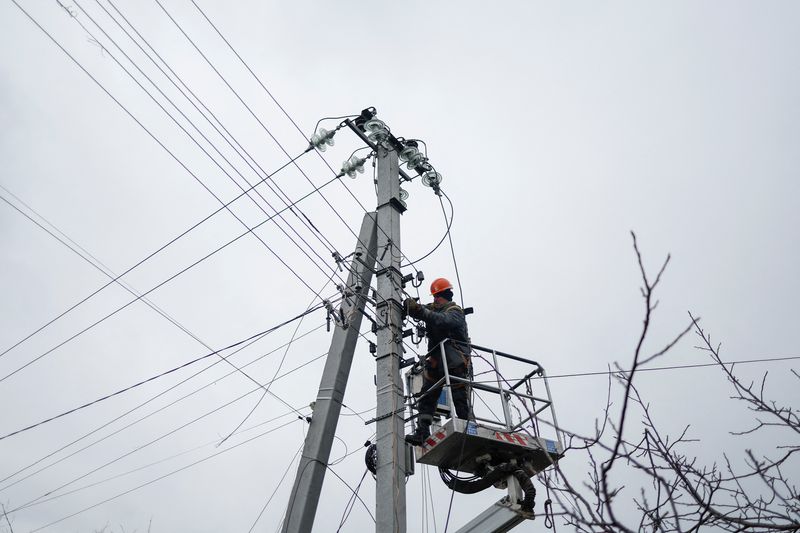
[427, 403]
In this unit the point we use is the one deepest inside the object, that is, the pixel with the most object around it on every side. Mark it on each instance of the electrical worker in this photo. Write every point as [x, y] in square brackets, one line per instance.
[444, 319]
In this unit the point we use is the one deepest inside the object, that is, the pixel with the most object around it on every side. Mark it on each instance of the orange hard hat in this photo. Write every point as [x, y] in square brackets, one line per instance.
[439, 285]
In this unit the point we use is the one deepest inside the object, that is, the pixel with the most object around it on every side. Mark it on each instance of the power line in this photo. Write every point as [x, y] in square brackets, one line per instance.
[450, 238]
[139, 263]
[154, 463]
[177, 123]
[145, 417]
[162, 374]
[182, 271]
[250, 230]
[112, 276]
[307, 222]
[280, 364]
[280, 482]
[197, 129]
[34, 501]
[448, 225]
[233, 447]
[673, 367]
[272, 97]
[249, 109]
[351, 502]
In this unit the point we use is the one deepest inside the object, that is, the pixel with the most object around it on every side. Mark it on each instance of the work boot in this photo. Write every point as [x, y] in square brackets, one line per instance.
[419, 435]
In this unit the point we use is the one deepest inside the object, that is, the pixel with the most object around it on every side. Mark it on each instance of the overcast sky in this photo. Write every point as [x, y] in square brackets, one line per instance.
[558, 128]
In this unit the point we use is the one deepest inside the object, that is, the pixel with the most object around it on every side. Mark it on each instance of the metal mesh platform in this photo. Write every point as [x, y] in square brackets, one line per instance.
[458, 443]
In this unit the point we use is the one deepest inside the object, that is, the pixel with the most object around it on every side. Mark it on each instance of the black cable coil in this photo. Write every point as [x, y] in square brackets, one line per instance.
[371, 458]
[474, 484]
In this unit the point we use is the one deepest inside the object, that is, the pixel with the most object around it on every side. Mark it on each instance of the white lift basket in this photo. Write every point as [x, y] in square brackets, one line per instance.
[525, 435]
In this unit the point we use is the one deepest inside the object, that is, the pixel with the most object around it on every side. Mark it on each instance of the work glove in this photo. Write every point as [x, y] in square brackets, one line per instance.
[412, 307]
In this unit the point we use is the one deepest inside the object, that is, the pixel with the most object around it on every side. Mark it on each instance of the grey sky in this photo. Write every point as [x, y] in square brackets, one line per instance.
[558, 127]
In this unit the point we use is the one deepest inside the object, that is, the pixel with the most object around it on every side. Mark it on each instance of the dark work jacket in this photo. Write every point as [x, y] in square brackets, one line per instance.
[446, 322]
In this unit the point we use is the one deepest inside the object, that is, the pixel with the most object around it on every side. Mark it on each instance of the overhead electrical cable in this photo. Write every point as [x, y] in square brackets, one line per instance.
[302, 172]
[173, 472]
[351, 503]
[238, 148]
[206, 152]
[258, 171]
[50, 496]
[99, 266]
[672, 367]
[280, 364]
[448, 225]
[162, 283]
[158, 141]
[651, 369]
[249, 109]
[277, 486]
[250, 230]
[153, 463]
[145, 417]
[137, 264]
[162, 374]
[149, 443]
[452, 250]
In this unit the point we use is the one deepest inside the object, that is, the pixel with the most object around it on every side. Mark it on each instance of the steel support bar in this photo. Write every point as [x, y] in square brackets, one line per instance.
[317, 448]
[390, 493]
[498, 518]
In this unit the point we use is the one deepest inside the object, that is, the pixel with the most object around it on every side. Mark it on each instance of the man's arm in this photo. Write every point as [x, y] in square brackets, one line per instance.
[452, 318]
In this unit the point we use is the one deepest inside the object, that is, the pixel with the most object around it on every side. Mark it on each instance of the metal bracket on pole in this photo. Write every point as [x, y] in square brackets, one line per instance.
[317, 448]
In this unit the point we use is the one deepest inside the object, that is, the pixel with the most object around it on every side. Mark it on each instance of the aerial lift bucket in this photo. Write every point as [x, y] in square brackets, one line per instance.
[478, 445]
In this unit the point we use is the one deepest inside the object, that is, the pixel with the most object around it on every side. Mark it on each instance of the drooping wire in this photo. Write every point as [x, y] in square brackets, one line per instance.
[452, 250]
[448, 224]
[280, 364]
[344, 117]
[137, 407]
[355, 493]
[432, 504]
[114, 278]
[154, 463]
[171, 432]
[225, 450]
[161, 374]
[280, 482]
[38, 499]
[351, 503]
[671, 367]
[300, 475]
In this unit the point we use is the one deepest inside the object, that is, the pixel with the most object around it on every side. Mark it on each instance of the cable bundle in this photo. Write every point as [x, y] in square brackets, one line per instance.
[477, 483]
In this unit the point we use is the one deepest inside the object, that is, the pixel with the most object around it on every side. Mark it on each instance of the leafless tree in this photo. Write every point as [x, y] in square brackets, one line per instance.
[669, 489]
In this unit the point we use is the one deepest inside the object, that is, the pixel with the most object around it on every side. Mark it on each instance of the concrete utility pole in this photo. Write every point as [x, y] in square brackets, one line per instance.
[391, 447]
[317, 448]
[380, 234]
